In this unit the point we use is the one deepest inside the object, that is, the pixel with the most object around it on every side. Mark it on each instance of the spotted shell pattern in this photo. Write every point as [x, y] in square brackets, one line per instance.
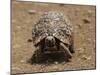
[53, 24]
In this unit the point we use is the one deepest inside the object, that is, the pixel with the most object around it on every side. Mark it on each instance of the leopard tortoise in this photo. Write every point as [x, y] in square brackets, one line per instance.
[51, 34]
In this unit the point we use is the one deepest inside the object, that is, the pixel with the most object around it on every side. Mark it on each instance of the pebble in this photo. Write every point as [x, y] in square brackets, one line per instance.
[16, 46]
[56, 62]
[89, 58]
[13, 21]
[29, 40]
[19, 27]
[32, 11]
[86, 58]
[86, 20]
[79, 26]
[80, 50]
[22, 61]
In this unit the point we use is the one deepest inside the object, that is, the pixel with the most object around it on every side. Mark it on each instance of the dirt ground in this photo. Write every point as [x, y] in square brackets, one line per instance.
[84, 24]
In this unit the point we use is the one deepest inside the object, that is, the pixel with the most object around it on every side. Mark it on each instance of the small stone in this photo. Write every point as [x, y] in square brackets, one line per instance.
[86, 58]
[89, 58]
[86, 20]
[19, 27]
[80, 50]
[22, 61]
[56, 62]
[16, 46]
[13, 20]
[79, 26]
[32, 11]
[29, 40]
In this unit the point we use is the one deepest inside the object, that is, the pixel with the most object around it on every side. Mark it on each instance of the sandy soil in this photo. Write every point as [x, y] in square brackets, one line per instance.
[83, 20]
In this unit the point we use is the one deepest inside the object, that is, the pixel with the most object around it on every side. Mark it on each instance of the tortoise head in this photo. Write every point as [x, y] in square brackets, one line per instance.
[50, 41]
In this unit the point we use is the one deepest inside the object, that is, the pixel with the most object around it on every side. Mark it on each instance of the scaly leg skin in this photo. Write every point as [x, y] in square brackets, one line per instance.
[36, 56]
[33, 58]
[66, 50]
[71, 48]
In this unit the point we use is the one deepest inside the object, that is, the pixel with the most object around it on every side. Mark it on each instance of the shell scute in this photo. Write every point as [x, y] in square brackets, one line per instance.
[55, 24]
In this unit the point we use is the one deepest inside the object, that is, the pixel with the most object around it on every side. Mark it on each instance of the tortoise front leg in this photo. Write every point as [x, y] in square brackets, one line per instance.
[66, 50]
[38, 54]
[71, 47]
[36, 57]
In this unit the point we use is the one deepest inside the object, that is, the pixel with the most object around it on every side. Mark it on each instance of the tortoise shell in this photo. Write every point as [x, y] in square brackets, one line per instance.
[53, 24]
